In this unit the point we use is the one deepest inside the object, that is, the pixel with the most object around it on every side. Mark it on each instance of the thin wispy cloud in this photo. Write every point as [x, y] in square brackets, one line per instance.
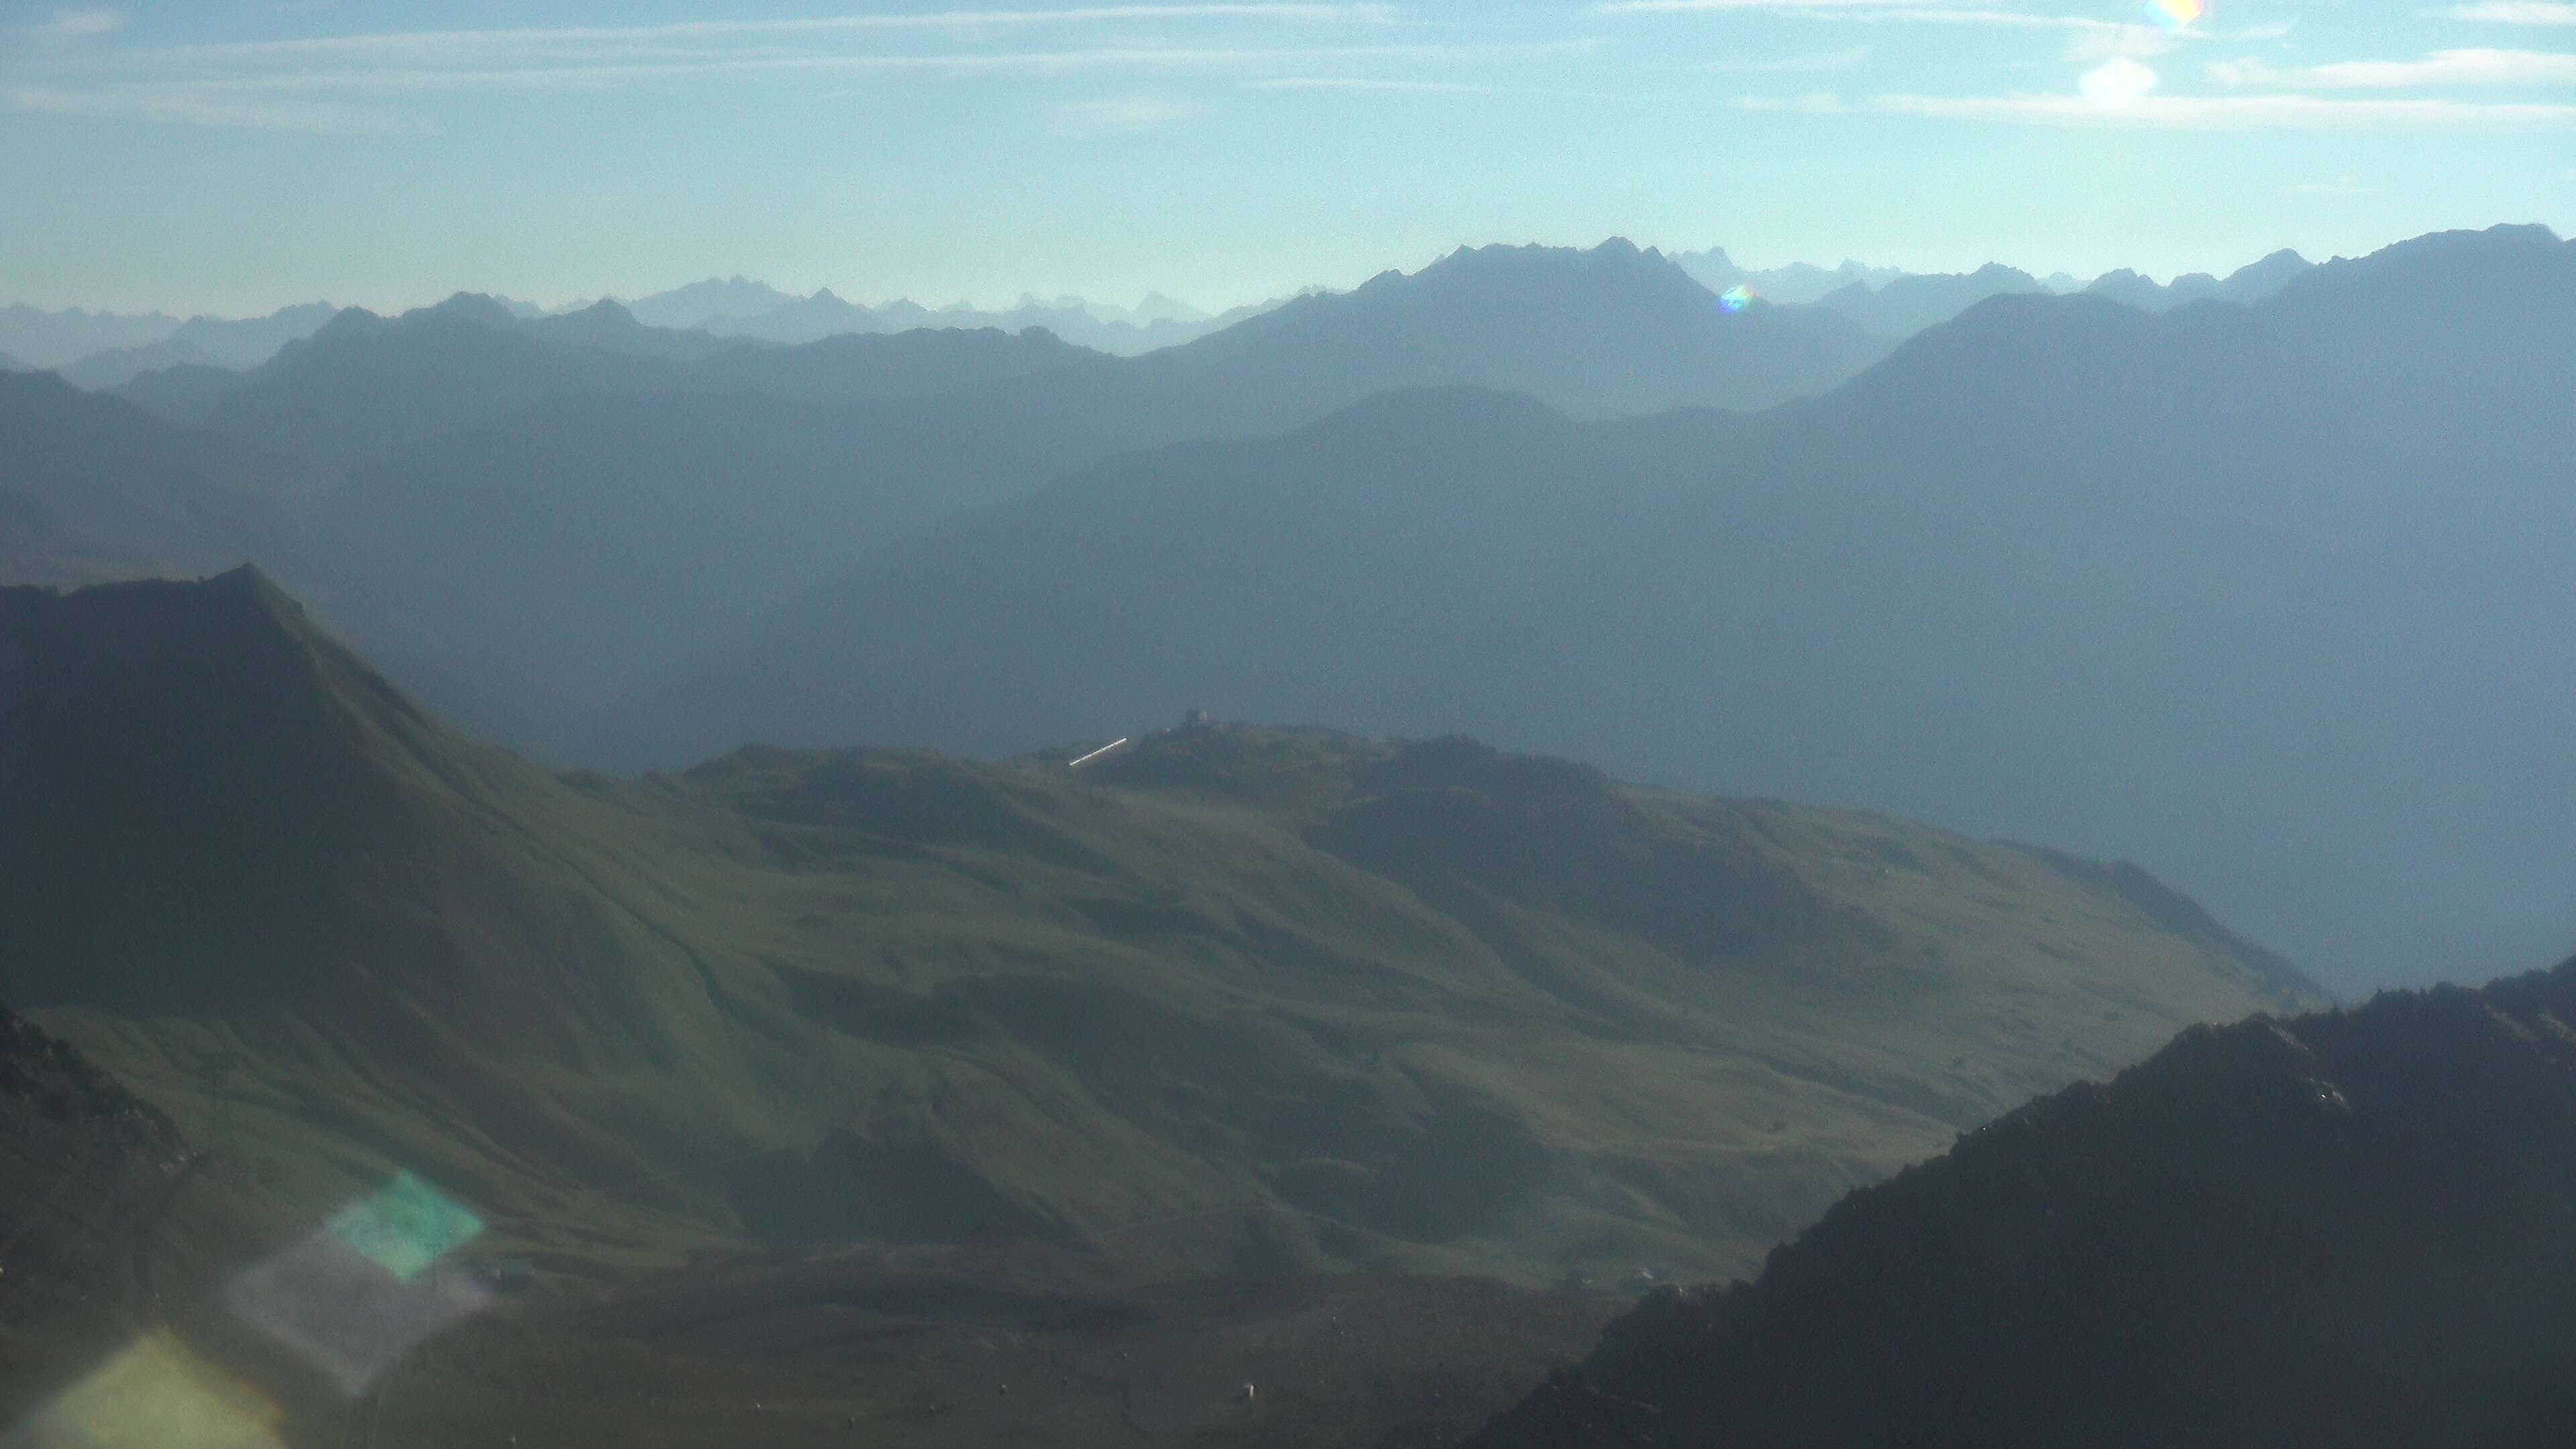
[232, 82]
[2285, 112]
[1684, 7]
[2123, 42]
[1369, 84]
[1848, 58]
[169, 106]
[2442, 68]
[2092, 38]
[436, 47]
[1032, 62]
[76, 25]
[219, 98]
[1814, 103]
[2519, 12]
[1121, 115]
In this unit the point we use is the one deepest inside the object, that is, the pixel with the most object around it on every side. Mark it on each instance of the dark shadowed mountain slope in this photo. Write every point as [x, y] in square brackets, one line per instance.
[1291, 998]
[51, 339]
[2339, 1229]
[185, 395]
[1393, 563]
[530, 529]
[552, 557]
[98, 488]
[364, 384]
[2264, 596]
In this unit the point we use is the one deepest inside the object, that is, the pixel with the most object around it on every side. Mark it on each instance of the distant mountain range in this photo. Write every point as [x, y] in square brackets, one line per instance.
[501, 485]
[2209, 580]
[100, 350]
[203, 342]
[735, 307]
[2338, 1229]
[2192, 568]
[50, 339]
[1796, 283]
[1897, 304]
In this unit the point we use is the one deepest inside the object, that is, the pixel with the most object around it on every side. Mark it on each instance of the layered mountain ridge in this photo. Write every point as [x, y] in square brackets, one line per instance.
[1306, 998]
[2210, 577]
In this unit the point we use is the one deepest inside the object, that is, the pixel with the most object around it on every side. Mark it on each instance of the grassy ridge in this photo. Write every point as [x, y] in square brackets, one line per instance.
[1231, 999]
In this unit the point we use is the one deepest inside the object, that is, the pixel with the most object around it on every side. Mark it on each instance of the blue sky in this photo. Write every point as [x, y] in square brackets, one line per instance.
[235, 157]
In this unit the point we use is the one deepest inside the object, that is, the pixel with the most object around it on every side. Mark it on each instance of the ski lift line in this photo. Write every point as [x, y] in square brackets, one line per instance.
[1096, 754]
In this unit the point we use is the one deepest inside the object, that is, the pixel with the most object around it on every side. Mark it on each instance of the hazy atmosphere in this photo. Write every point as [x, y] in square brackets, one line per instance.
[237, 158]
[1668, 723]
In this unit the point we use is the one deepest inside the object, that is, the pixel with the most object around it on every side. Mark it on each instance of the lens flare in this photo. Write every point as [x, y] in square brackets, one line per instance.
[155, 1395]
[406, 1226]
[1736, 298]
[357, 1293]
[2176, 14]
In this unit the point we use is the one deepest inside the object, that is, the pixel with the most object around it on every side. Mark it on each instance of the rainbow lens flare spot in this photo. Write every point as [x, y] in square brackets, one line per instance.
[405, 1227]
[1736, 298]
[2175, 14]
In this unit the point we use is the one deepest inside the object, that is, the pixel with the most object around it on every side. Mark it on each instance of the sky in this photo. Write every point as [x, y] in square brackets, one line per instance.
[235, 157]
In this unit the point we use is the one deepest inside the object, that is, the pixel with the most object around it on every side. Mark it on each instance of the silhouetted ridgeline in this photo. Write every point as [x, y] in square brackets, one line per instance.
[2356, 1227]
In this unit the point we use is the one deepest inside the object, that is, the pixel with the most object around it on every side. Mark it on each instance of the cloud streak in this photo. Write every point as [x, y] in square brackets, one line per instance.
[255, 82]
[1121, 115]
[2092, 38]
[250, 98]
[1809, 63]
[2519, 12]
[1369, 84]
[472, 47]
[1814, 103]
[2441, 68]
[184, 107]
[76, 25]
[2284, 112]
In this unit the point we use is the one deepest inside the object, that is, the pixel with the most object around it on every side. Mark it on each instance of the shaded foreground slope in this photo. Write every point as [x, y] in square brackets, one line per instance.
[120, 1328]
[2344, 1228]
[1238, 999]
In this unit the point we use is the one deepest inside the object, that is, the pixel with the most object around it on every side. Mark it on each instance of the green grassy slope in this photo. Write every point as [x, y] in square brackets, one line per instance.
[1232, 999]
